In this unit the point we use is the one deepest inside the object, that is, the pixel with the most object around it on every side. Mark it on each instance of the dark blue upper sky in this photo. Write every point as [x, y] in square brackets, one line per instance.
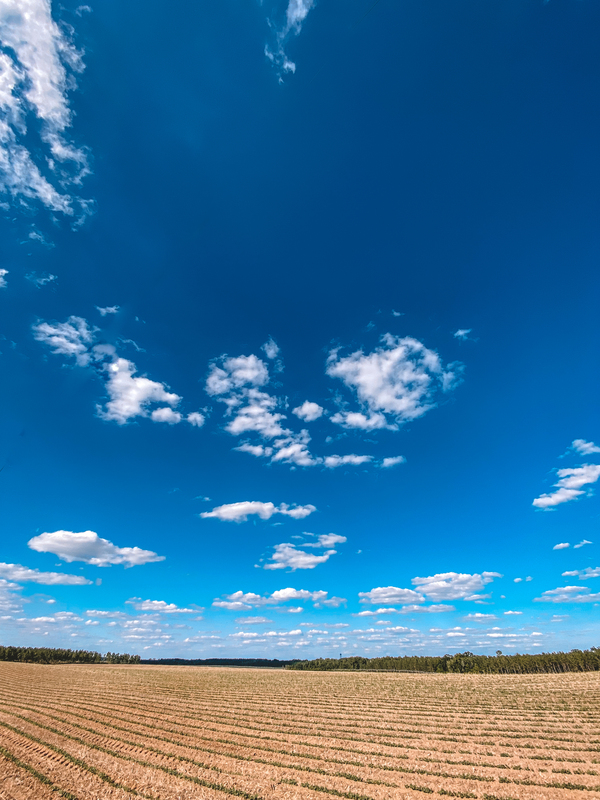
[401, 230]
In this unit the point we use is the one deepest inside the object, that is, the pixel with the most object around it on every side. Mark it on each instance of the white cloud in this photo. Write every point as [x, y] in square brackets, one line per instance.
[107, 310]
[288, 556]
[296, 13]
[462, 333]
[436, 608]
[72, 338]
[308, 411]
[37, 67]
[166, 415]
[239, 512]
[568, 594]
[236, 373]
[454, 585]
[561, 546]
[585, 448]
[339, 461]
[40, 280]
[582, 543]
[243, 601]
[270, 348]
[16, 572]
[397, 382]
[253, 620]
[512, 613]
[477, 617]
[3, 281]
[582, 574]
[390, 595]
[196, 419]
[569, 485]
[130, 396]
[158, 606]
[87, 546]
[392, 461]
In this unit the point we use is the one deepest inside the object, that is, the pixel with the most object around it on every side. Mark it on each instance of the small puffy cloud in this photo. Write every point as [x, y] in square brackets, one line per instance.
[340, 461]
[288, 556]
[390, 595]
[243, 601]
[396, 383]
[392, 461]
[454, 585]
[130, 395]
[569, 485]
[585, 448]
[107, 310]
[569, 594]
[462, 333]
[561, 546]
[16, 572]
[87, 546]
[253, 620]
[308, 411]
[196, 419]
[239, 512]
[512, 613]
[158, 606]
[480, 617]
[72, 338]
[3, 281]
[582, 574]
[166, 414]
[270, 348]
[236, 373]
[582, 543]
[436, 608]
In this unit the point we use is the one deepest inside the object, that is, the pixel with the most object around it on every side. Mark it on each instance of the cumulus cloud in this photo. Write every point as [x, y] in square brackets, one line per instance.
[390, 595]
[130, 395]
[582, 574]
[399, 381]
[392, 461]
[87, 546]
[107, 310]
[253, 620]
[158, 606]
[308, 411]
[568, 594]
[340, 461]
[16, 572]
[38, 63]
[582, 543]
[289, 556]
[3, 281]
[462, 333]
[436, 608]
[270, 348]
[72, 338]
[40, 280]
[477, 617]
[585, 448]
[569, 485]
[296, 13]
[561, 546]
[454, 585]
[239, 512]
[244, 601]
[196, 419]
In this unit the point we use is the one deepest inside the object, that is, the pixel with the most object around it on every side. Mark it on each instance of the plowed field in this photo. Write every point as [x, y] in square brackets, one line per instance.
[175, 733]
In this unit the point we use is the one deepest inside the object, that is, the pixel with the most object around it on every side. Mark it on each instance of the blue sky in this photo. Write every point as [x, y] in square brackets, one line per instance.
[299, 329]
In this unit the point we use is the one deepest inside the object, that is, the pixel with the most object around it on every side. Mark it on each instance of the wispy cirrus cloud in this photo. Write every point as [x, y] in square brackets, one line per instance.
[295, 15]
[90, 548]
[38, 64]
[569, 594]
[397, 382]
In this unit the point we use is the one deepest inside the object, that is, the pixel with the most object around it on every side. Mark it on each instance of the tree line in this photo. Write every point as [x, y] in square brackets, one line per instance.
[52, 655]
[515, 663]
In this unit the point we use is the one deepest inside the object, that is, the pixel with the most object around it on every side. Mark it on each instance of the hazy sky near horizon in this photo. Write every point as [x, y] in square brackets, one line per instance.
[299, 333]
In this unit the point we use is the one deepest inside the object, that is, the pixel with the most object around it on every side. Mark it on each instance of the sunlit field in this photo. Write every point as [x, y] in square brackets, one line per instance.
[183, 732]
